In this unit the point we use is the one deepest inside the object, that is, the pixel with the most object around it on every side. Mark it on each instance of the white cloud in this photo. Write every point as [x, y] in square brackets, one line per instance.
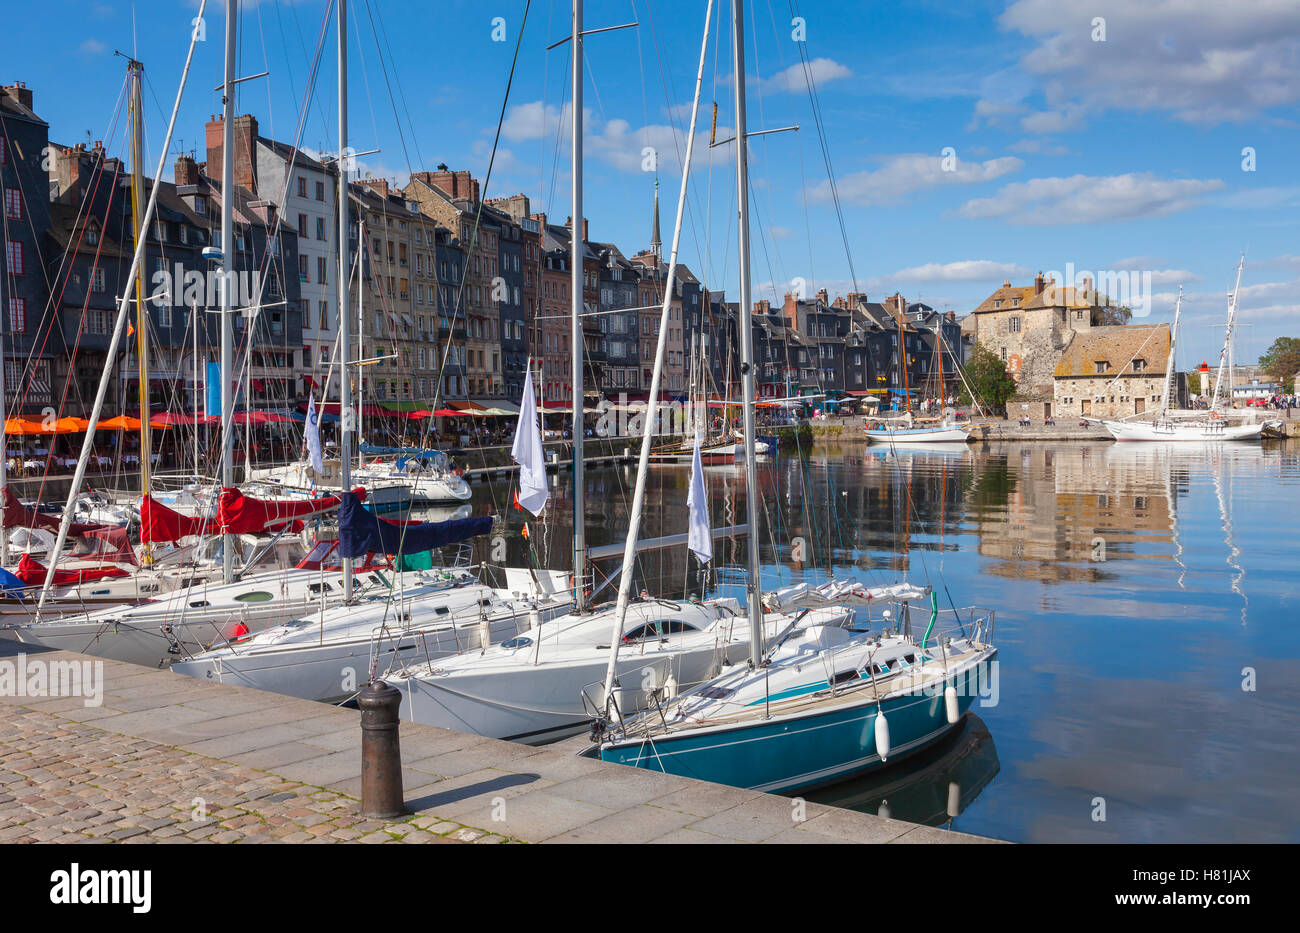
[1202, 61]
[1090, 199]
[615, 142]
[794, 78]
[968, 270]
[91, 47]
[906, 173]
[780, 233]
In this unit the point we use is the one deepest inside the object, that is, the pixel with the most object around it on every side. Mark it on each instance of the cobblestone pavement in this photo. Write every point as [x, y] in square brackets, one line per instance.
[65, 781]
[166, 758]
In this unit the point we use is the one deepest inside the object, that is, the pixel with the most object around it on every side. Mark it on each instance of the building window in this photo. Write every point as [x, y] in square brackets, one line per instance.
[324, 316]
[1015, 325]
[302, 225]
[13, 204]
[303, 269]
[97, 279]
[302, 187]
[18, 315]
[320, 270]
[1102, 366]
[1139, 365]
[320, 191]
[14, 251]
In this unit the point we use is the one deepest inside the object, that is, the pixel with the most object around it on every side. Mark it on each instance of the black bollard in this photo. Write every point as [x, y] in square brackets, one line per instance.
[381, 752]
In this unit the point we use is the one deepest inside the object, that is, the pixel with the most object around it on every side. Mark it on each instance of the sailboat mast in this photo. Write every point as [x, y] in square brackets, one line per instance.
[754, 589]
[141, 321]
[1225, 355]
[1169, 367]
[656, 378]
[346, 416]
[575, 325]
[902, 362]
[227, 278]
[361, 338]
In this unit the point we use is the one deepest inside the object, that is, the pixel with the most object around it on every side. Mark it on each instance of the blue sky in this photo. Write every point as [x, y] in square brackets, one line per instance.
[1117, 155]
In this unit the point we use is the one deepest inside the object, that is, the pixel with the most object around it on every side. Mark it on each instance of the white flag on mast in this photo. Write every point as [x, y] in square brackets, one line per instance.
[313, 434]
[527, 452]
[700, 538]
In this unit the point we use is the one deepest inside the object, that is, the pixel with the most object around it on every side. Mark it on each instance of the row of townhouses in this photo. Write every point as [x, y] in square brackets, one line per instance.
[452, 294]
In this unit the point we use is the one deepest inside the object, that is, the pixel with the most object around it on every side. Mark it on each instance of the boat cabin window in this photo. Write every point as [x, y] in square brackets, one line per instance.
[319, 587]
[257, 596]
[441, 611]
[843, 676]
[522, 641]
[879, 669]
[199, 604]
[659, 629]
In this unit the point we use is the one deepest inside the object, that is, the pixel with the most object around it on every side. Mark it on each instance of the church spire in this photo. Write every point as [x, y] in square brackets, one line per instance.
[656, 245]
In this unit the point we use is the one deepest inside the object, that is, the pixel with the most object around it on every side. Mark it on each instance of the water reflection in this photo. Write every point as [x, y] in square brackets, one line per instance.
[933, 787]
[1133, 583]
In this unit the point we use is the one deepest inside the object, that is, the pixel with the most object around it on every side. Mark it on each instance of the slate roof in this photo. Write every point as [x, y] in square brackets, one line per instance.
[1117, 345]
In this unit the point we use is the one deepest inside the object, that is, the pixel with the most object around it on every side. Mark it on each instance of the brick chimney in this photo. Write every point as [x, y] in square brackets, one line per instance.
[19, 93]
[823, 296]
[378, 185]
[762, 306]
[245, 165]
[1039, 282]
[186, 171]
[568, 223]
[453, 184]
[791, 309]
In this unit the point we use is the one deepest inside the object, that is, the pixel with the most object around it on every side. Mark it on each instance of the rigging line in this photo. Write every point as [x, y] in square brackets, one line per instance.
[478, 216]
[392, 98]
[815, 101]
[50, 310]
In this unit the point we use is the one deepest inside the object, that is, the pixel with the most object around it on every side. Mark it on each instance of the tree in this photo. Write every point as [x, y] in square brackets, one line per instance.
[1112, 315]
[1194, 382]
[987, 377]
[1282, 360]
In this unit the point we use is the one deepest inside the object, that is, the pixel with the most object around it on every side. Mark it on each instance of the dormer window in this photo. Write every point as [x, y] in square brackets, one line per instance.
[201, 205]
[997, 302]
[92, 236]
[1139, 365]
[1015, 302]
[1102, 366]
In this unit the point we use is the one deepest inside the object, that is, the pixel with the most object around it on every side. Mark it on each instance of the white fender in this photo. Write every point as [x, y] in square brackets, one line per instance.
[882, 736]
[954, 799]
[950, 704]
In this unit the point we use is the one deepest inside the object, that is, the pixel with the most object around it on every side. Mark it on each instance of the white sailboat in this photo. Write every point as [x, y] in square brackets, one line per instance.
[1192, 426]
[817, 704]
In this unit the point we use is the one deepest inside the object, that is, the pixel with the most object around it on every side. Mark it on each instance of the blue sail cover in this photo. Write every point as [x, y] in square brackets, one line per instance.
[410, 452]
[362, 532]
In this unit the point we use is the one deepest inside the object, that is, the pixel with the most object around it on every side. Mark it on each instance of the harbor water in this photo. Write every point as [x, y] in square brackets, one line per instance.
[1146, 596]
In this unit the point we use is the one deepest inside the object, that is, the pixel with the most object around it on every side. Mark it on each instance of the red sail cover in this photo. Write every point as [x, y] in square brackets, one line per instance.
[111, 544]
[32, 572]
[241, 514]
[159, 523]
[17, 515]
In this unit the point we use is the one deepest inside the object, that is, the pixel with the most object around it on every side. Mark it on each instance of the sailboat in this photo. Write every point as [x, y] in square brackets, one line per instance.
[908, 429]
[548, 683]
[821, 703]
[1191, 425]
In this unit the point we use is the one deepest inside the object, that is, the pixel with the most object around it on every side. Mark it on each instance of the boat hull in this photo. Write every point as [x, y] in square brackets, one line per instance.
[543, 704]
[332, 672]
[794, 752]
[1193, 432]
[949, 435]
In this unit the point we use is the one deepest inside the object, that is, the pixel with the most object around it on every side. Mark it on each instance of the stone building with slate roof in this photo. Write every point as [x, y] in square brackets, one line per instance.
[1112, 372]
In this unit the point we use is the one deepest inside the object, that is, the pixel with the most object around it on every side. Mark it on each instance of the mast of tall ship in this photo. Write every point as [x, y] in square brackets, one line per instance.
[1169, 366]
[1225, 355]
[753, 587]
[576, 245]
